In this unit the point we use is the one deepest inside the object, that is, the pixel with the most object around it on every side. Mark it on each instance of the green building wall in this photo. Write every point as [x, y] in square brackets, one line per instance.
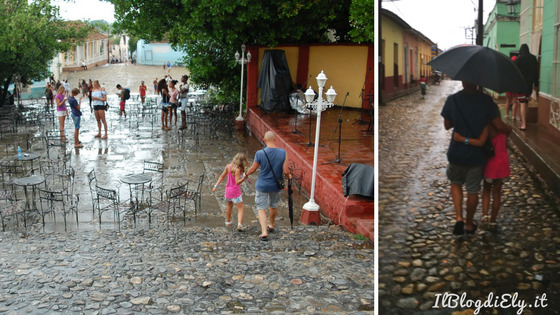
[502, 32]
[547, 46]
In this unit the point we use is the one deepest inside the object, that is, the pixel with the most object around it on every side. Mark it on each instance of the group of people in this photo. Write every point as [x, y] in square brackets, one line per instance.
[60, 93]
[172, 97]
[518, 102]
[273, 164]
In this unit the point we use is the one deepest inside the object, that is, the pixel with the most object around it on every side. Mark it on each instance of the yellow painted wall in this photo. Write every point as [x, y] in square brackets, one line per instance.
[424, 49]
[292, 56]
[391, 34]
[345, 68]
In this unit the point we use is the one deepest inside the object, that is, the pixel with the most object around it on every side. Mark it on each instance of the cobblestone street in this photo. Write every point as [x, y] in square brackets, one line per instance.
[418, 255]
[173, 267]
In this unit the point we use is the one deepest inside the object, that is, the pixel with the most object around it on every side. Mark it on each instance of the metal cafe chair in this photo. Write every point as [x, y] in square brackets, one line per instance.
[177, 199]
[15, 209]
[196, 195]
[156, 185]
[93, 183]
[111, 196]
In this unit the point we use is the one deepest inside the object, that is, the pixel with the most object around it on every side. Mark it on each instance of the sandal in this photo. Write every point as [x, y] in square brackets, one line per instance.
[475, 227]
[264, 238]
[492, 226]
[240, 228]
[269, 229]
[459, 228]
[485, 218]
[228, 224]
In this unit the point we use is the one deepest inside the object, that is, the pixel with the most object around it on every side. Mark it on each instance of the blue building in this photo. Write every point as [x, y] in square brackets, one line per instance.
[157, 54]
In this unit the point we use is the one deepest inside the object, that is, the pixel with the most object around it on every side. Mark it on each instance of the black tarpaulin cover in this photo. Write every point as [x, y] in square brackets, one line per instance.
[357, 179]
[275, 81]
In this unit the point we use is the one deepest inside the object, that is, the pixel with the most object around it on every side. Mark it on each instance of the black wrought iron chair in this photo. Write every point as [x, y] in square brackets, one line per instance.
[111, 196]
[196, 195]
[177, 199]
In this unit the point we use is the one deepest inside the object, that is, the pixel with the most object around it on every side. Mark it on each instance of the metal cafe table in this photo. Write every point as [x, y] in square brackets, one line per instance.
[26, 157]
[136, 180]
[30, 181]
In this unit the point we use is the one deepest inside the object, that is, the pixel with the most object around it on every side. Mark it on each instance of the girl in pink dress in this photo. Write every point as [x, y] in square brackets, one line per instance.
[233, 194]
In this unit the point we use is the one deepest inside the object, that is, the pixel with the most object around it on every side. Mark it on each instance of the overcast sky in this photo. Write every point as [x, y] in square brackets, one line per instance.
[86, 10]
[442, 21]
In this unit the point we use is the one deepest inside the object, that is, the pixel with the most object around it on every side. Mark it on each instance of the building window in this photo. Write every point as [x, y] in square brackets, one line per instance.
[555, 100]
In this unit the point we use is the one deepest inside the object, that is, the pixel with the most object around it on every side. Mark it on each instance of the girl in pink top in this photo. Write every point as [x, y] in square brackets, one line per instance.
[233, 195]
[61, 111]
[496, 172]
[173, 93]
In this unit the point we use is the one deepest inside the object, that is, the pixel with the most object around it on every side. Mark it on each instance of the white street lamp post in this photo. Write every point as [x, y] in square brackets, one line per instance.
[243, 62]
[319, 106]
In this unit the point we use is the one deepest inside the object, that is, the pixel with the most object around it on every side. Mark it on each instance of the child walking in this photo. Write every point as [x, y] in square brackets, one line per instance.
[233, 195]
[496, 172]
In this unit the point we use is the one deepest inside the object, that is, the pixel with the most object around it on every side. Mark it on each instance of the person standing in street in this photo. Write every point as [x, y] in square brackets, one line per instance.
[168, 67]
[49, 95]
[273, 162]
[164, 91]
[99, 98]
[529, 67]
[124, 95]
[76, 115]
[173, 100]
[143, 88]
[468, 112]
[61, 111]
[164, 69]
[183, 95]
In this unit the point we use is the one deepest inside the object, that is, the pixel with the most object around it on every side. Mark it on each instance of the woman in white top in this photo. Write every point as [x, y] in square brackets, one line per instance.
[99, 97]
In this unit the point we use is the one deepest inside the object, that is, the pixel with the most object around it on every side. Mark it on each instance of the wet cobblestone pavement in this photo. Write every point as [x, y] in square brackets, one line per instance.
[418, 255]
[160, 268]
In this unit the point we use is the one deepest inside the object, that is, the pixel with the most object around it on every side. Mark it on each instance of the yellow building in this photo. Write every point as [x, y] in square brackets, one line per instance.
[405, 53]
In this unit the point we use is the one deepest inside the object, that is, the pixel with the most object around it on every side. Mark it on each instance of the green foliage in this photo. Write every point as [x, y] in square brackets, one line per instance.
[360, 237]
[211, 31]
[32, 34]
[362, 17]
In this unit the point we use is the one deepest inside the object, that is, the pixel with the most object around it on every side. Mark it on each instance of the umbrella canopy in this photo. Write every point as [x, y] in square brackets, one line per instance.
[290, 203]
[481, 66]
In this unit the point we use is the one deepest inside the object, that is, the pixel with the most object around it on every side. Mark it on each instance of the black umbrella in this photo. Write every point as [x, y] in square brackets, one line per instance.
[481, 66]
[290, 203]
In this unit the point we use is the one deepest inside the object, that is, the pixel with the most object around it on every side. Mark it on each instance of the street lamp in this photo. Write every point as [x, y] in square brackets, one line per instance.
[511, 6]
[243, 62]
[319, 106]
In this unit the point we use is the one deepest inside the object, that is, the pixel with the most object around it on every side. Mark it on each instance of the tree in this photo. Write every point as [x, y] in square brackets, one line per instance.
[32, 34]
[211, 31]
[361, 15]
[132, 43]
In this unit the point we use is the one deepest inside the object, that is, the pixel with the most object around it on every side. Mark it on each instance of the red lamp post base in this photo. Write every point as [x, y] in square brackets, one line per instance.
[310, 217]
